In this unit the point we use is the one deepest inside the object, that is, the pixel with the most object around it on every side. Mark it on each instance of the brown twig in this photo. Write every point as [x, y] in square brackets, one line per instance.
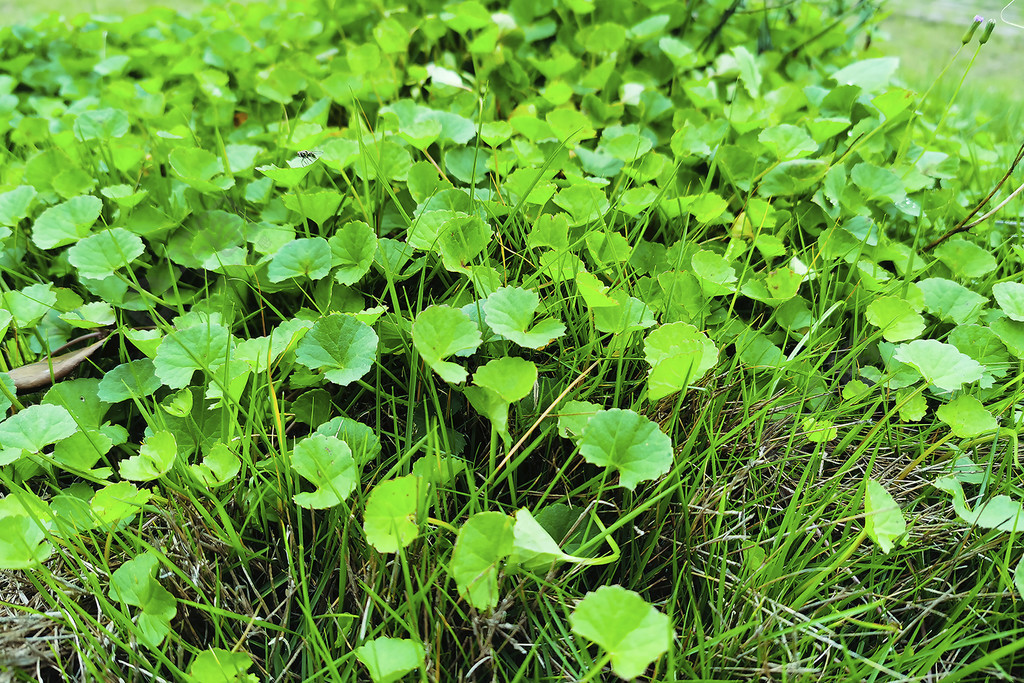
[963, 225]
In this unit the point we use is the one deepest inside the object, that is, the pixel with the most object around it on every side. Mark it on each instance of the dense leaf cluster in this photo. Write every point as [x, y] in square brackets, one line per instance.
[364, 268]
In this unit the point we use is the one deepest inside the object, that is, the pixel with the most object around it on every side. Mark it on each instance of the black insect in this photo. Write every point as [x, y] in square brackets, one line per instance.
[306, 156]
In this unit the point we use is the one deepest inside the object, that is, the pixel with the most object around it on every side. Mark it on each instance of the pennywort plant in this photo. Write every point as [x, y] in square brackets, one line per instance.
[591, 337]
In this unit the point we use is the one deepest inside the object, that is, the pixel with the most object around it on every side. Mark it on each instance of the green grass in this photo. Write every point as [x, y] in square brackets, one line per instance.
[838, 356]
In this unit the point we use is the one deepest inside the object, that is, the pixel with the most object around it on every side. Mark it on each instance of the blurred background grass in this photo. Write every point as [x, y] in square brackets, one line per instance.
[924, 34]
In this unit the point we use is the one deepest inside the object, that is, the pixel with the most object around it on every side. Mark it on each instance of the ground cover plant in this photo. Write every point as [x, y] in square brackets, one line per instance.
[532, 341]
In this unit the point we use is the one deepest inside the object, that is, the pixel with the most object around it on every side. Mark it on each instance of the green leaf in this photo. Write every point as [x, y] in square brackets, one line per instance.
[787, 142]
[438, 469]
[792, 177]
[101, 124]
[308, 258]
[286, 177]
[155, 458]
[30, 304]
[870, 75]
[134, 583]
[883, 519]
[878, 183]
[23, 543]
[818, 430]
[218, 665]
[36, 427]
[16, 204]
[511, 379]
[319, 206]
[390, 518]
[967, 417]
[218, 467]
[629, 629]
[966, 259]
[1001, 512]
[327, 463]
[584, 203]
[550, 230]
[608, 248]
[914, 408]
[312, 408]
[679, 354]
[386, 162]
[117, 503]
[92, 315]
[442, 331]
[940, 364]
[67, 222]
[388, 659]
[361, 438]
[342, 345]
[1010, 297]
[483, 542]
[574, 416]
[629, 443]
[951, 301]
[534, 548]
[200, 169]
[1011, 334]
[897, 318]
[561, 265]
[625, 143]
[494, 133]
[707, 207]
[570, 126]
[716, 275]
[178, 404]
[79, 397]
[101, 254]
[593, 291]
[509, 312]
[391, 36]
[631, 314]
[182, 352]
[466, 164]
[461, 240]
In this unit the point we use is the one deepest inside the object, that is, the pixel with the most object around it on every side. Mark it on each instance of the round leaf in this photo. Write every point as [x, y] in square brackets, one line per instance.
[632, 631]
[484, 541]
[67, 222]
[442, 331]
[967, 417]
[679, 354]
[940, 364]
[627, 442]
[327, 463]
[512, 379]
[390, 518]
[897, 318]
[509, 312]
[883, 519]
[183, 352]
[342, 345]
[36, 427]
[155, 458]
[1010, 297]
[308, 258]
[103, 253]
[388, 659]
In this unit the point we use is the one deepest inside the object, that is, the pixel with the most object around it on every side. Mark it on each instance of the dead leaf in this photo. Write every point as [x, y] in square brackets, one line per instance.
[36, 375]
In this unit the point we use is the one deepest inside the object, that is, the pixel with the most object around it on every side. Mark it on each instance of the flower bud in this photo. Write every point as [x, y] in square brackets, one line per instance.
[971, 29]
[989, 27]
